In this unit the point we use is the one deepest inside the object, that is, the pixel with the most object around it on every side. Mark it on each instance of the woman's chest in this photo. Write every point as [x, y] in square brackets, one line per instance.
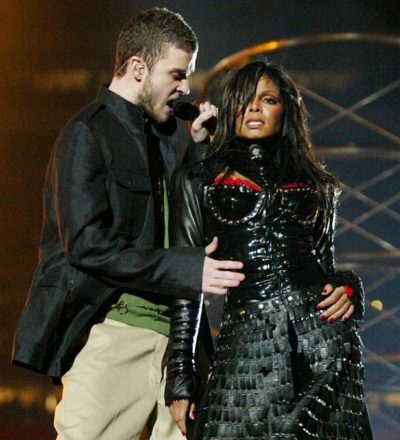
[233, 201]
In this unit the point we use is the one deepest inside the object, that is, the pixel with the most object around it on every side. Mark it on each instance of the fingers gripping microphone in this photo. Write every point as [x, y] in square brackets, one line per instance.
[189, 112]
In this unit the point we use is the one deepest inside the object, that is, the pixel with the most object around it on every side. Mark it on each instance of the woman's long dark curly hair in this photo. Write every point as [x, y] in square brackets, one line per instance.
[293, 155]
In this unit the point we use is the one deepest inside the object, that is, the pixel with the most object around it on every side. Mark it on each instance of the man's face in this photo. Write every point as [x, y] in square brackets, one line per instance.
[167, 81]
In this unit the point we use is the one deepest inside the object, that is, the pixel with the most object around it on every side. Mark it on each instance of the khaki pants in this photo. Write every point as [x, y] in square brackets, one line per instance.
[114, 385]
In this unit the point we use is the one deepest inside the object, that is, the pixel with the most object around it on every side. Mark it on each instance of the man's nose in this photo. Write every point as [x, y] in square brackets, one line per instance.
[184, 87]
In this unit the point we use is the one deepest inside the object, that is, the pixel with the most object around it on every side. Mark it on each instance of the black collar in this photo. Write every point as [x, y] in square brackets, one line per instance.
[121, 107]
[133, 113]
[253, 149]
[251, 158]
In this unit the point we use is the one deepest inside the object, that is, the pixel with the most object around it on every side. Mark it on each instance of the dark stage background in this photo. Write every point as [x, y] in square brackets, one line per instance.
[56, 53]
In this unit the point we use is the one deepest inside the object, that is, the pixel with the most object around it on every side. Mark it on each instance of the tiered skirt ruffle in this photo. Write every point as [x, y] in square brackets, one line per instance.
[280, 372]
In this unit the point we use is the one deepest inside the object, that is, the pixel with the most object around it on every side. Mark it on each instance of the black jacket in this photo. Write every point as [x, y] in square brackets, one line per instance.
[98, 233]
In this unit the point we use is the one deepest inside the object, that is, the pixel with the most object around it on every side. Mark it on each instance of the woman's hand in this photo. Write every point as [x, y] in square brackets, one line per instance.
[179, 410]
[198, 130]
[336, 305]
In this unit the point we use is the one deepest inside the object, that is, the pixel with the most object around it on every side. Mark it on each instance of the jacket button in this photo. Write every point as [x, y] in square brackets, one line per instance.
[71, 284]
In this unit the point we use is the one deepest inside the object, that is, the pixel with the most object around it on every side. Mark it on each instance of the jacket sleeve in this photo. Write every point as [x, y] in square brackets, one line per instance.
[186, 229]
[77, 175]
[324, 233]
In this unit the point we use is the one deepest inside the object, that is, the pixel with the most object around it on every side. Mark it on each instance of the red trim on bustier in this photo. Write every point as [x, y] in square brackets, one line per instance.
[237, 181]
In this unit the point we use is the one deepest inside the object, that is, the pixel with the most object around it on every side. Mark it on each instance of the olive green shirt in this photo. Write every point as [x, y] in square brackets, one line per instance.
[137, 311]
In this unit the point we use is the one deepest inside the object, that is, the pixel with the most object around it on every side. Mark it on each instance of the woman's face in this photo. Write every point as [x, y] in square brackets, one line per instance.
[263, 115]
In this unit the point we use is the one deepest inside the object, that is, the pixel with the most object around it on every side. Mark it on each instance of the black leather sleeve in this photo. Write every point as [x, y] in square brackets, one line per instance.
[186, 229]
[182, 379]
[324, 234]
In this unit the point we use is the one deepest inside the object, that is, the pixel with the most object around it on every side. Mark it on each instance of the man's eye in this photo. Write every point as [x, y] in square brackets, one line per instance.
[178, 76]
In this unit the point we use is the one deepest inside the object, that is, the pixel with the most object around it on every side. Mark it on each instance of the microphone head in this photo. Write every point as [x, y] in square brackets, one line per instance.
[189, 112]
[185, 110]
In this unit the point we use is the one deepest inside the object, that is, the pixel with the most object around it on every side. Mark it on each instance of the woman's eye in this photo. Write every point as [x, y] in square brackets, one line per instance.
[270, 100]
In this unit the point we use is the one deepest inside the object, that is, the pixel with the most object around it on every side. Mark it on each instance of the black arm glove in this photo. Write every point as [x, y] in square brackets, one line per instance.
[182, 379]
[325, 250]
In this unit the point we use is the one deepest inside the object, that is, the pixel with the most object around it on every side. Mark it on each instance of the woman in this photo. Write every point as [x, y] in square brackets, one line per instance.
[287, 363]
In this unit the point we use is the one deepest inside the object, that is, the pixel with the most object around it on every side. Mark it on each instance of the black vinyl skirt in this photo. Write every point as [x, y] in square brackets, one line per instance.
[282, 373]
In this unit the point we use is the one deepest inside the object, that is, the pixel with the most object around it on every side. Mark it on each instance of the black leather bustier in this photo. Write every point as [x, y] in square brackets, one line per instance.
[267, 226]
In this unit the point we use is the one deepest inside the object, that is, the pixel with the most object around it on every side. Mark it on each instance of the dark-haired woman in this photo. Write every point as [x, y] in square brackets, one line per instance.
[287, 363]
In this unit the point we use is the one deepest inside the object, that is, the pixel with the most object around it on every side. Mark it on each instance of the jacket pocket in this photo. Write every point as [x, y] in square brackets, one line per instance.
[71, 282]
[129, 197]
[132, 180]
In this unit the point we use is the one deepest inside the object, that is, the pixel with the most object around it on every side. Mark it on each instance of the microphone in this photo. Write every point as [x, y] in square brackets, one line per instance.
[189, 112]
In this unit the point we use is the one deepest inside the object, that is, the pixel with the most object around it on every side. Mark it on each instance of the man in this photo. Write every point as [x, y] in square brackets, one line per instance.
[97, 312]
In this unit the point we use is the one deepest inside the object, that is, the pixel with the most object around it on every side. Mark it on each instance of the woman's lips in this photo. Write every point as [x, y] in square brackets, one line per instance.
[254, 123]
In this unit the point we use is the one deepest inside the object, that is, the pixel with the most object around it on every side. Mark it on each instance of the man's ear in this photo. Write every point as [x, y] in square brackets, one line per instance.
[137, 67]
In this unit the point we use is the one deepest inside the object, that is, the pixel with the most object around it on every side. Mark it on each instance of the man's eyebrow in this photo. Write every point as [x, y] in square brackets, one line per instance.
[178, 70]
